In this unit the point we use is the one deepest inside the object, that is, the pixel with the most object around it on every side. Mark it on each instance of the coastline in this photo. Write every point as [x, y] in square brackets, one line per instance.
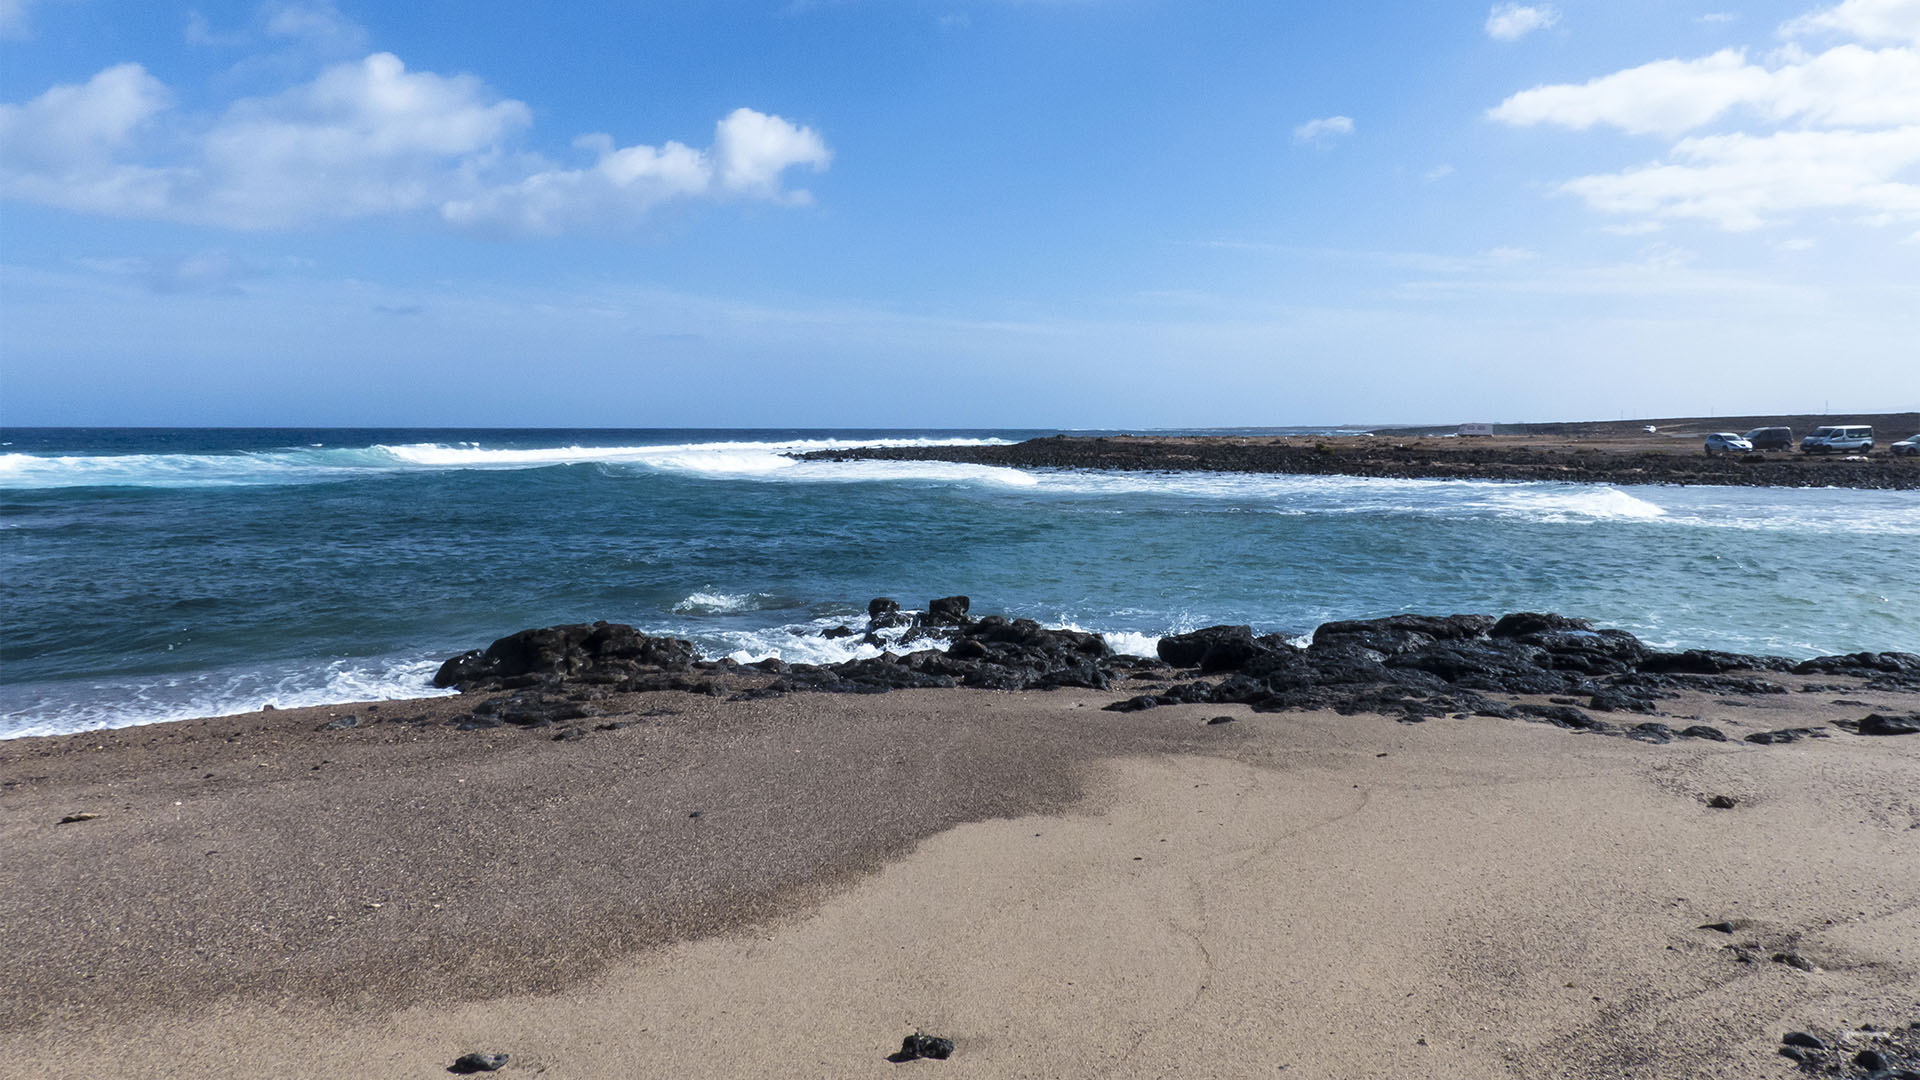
[721, 881]
[1601, 455]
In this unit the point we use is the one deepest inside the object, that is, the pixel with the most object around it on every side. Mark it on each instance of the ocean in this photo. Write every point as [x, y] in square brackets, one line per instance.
[149, 575]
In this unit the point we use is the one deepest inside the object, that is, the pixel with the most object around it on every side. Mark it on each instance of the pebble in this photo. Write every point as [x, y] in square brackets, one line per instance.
[82, 816]
[1804, 1040]
[478, 1063]
[1723, 802]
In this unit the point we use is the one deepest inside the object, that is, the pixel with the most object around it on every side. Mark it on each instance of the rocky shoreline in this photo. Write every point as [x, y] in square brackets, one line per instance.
[1413, 458]
[1410, 667]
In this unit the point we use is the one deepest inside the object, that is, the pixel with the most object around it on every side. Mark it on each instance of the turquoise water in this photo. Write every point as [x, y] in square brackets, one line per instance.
[149, 575]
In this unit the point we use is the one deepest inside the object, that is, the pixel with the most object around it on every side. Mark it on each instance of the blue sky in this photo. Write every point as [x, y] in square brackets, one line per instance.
[955, 212]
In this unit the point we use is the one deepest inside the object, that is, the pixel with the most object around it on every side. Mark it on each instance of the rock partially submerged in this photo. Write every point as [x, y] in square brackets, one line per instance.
[1412, 667]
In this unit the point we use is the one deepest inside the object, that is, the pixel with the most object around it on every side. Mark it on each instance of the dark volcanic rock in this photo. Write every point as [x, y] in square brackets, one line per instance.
[599, 653]
[1216, 648]
[948, 611]
[917, 1046]
[1527, 623]
[1786, 735]
[884, 613]
[1400, 633]
[1410, 667]
[478, 1063]
[1878, 724]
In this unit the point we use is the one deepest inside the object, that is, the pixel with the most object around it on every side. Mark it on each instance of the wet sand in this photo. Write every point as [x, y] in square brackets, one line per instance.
[1064, 892]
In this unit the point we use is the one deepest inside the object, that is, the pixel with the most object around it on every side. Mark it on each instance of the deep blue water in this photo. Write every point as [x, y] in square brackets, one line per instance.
[148, 574]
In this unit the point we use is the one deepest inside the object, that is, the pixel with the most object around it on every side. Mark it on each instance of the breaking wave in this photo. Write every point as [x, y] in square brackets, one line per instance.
[66, 708]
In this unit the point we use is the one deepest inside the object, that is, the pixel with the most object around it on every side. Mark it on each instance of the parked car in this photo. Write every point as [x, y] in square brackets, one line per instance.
[1850, 439]
[1907, 447]
[1770, 438]
[1726, 442]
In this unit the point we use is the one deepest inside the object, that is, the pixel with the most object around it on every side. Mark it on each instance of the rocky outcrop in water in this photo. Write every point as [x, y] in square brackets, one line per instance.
[1413, 667]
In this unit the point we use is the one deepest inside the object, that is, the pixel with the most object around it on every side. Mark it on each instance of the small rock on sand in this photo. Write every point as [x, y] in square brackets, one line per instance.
[917, 1046]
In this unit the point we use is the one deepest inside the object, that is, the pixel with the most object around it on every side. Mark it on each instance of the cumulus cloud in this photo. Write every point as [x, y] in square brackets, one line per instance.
[1831, 131]
[1741, 182]
[1324, 127]
[366, 138]
[750, 152]
[1844, 86]
[1511, 22]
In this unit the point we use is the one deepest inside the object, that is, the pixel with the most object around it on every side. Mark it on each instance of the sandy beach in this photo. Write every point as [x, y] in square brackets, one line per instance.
[790, 886]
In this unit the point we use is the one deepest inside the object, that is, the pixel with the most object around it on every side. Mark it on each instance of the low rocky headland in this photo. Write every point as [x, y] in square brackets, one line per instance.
[1596, 459]
[1410, 667]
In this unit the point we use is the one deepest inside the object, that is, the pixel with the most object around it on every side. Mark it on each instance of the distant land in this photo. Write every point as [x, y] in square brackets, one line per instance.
[1601, 451]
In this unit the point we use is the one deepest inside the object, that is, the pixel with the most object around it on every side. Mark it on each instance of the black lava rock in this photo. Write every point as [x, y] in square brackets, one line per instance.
[1877, 724]
[948, 611]
[1410, 667]
[1216, 648]
[603, 653]
[917, 1046]
[1803, 1040]
[1786, 735]
[478, 1063]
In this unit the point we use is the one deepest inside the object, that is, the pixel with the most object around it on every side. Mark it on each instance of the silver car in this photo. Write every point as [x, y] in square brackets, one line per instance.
[1844, 439]
[1726, 442]
[1907, 447]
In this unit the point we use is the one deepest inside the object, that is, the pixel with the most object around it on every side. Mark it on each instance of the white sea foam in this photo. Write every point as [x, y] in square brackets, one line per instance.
[124, 703]
[318, 464]
[719, 603]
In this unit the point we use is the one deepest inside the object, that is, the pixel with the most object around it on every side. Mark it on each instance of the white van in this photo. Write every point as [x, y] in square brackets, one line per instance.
[1827, 440]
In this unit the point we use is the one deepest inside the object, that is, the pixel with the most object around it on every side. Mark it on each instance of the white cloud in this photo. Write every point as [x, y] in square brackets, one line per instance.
[1438, 172]
[1866, 20]
[1314, 130]
[752, 149]
[1741, 182]
[750, 152]
[1844, 86]
[1713, 18]
[1665, 97]
[363, 139]
[1511, 22]
[1833, 131]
